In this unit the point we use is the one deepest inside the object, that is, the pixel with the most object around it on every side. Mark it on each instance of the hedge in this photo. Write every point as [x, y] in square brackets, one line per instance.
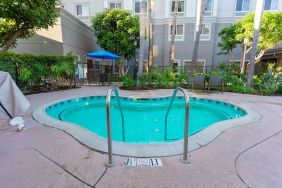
[33, 71]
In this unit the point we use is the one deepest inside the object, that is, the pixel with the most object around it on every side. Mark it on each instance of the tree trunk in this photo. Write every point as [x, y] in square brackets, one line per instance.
[150, 26]
[122, 66]
[173, 32]
[259, 56]
[243, 58]
[127, 68]
[257, 23]
[142, 40]
[198, 27]
[11, 39]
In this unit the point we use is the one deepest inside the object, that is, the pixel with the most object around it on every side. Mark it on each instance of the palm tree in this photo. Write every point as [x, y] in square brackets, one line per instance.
[142, 40]
[198, 27]
[258, 16]
[173, 32]
[150, 26]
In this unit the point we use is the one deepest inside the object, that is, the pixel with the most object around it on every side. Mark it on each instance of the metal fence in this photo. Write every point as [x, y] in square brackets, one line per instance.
[91, 73]
[48, 83]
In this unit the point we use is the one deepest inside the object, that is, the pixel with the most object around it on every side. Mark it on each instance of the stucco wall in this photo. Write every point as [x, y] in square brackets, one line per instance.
[69, 34]
[208, 50]
[44, 42]
[39, 45]
[77, 36]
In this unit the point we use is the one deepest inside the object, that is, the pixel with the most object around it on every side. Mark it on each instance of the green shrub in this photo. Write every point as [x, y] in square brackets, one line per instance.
[116, 78]
[234, 81]
[167, 79]
[225, 70]
[30, 71]
[181, 79]
[151, 79]
[278, 78]
[269, 82]
[127, 81]
[240, 89]
[26, 75]
[62, 69]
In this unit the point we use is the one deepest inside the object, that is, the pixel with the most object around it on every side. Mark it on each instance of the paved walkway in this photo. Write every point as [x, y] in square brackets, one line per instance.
[243, 156]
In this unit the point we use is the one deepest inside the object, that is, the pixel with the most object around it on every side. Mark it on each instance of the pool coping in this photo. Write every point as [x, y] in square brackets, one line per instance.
[99, 143]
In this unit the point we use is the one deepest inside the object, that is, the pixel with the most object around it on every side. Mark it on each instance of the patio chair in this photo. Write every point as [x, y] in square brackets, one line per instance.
[216, 82]
[104, 78]
[199, 82]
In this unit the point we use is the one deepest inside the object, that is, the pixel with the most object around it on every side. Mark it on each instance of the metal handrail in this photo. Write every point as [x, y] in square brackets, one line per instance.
[109, 128]
[186, 122]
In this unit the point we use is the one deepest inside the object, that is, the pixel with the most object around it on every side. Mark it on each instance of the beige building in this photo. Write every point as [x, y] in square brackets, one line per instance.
[73, 34]
[218, 15]
[68, 35]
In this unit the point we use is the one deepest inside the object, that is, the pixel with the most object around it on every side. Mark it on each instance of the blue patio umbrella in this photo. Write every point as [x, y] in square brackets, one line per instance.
[103, 54]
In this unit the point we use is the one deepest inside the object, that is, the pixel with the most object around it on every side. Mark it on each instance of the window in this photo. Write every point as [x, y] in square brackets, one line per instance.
[205, 32]
[177, 62]
[82, 10]
[242, 7]
[181, 8]
[200, 67]
[178, 66]
[179, 32]
[137, 7]
[115, 5]
[271, 4]
[208, 8]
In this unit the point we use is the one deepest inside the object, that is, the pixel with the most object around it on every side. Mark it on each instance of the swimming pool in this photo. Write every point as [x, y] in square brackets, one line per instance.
[144, 119]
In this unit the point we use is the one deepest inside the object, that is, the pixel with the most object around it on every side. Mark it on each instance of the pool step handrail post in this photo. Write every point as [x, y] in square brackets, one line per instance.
[111, 162]
[184, 158]
[121, 112]
[168, 110]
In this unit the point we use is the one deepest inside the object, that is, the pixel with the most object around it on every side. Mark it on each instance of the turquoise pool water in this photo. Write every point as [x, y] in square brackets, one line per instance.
[144, 118]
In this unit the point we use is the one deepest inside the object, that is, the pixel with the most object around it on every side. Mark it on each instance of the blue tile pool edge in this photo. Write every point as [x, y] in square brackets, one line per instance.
[62, 102]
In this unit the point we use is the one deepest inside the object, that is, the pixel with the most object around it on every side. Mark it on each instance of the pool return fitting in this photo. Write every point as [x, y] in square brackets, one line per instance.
[184, 158]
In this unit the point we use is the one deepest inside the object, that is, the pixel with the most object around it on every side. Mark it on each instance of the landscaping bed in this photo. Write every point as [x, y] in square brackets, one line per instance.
[265, 83]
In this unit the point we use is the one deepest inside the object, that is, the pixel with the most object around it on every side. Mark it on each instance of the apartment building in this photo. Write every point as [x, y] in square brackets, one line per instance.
[218, 14]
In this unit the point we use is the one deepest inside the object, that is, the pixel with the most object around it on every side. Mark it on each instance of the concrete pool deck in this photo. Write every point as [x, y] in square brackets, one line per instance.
[243, 156]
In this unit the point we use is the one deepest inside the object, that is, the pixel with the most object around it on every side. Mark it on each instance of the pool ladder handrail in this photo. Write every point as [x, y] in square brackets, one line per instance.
[111, 163]
[186, 122]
